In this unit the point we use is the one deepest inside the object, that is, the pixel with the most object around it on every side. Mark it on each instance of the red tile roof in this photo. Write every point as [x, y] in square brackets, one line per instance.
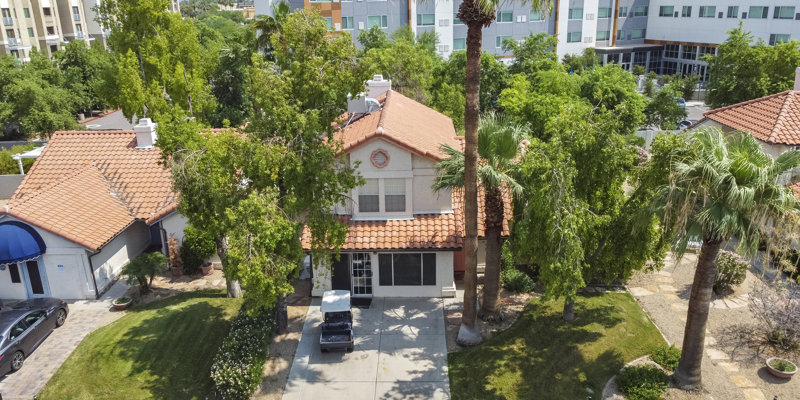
[772, 119]
[87, 186]
[404, 122]
[796, 187]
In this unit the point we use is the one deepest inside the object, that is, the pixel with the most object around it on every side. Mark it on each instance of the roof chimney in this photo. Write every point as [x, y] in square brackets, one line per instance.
[378, 86]
[797, 78]
[145, 133]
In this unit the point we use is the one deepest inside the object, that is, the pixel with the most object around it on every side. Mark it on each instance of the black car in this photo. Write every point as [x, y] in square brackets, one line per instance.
[24, 326]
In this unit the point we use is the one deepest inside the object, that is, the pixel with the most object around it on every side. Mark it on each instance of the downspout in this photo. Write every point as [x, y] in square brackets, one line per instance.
[91, 268]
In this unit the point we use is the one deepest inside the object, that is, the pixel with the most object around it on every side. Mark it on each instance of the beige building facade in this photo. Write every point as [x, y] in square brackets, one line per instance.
[43, 25]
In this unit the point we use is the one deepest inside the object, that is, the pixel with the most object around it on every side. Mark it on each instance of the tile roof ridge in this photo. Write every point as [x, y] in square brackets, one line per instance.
[779, 122]
[745, 103]
[92, 132]
[381, 129]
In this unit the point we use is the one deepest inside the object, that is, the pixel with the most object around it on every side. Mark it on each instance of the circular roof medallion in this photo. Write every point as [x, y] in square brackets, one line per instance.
[379, 158]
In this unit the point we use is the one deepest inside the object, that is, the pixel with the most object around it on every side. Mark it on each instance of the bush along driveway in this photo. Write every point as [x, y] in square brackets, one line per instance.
[542, 357]
[163, 350]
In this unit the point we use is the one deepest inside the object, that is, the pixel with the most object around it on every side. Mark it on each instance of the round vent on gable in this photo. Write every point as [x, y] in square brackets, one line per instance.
[379, 158]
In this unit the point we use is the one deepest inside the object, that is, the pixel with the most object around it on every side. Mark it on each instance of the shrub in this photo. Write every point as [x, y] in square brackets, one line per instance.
[142, 269]
[731, 271]
[8, 165]
[516, 281]
[238, 365]
[667, 357]
[506, 256]
[778, 307]
[782, 365]
[198, 246]
[175, 261]
[643, 382]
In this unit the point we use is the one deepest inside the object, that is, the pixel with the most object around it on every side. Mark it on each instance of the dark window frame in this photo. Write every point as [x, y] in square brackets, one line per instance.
[388, 273]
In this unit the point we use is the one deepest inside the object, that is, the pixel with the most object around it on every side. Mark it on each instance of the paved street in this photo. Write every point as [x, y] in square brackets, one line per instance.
[84, 317]
[400, 353]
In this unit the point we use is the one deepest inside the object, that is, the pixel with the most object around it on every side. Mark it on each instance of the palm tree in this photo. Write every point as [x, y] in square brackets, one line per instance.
[476, 14]
[498, 148]
[725, 189]
[266, 26]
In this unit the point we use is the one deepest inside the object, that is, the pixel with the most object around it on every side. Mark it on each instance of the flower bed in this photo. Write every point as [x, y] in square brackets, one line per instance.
[239, 362]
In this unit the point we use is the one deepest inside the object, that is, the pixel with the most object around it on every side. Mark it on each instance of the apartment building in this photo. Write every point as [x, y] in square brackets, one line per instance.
[665, 36]
[45, 25]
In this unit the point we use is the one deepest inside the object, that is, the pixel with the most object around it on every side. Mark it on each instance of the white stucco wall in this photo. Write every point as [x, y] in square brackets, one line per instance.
[72, 281]
[174, 224]
[127, 245]
[426, 200]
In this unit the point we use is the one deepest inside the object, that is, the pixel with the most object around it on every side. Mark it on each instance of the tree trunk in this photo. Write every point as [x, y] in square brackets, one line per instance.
[282, 315]
[468, 334]
[232, 285]
[569, 310]
[688, 374]
[493, 210]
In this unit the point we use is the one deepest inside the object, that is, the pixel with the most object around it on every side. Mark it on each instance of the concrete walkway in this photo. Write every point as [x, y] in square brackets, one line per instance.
[400, 353]
[84, 317]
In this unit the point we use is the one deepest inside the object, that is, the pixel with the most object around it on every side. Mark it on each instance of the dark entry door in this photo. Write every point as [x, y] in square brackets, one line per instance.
[341, 273]
[36, 280]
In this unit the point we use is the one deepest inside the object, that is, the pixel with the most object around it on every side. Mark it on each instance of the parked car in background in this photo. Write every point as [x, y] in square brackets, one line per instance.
[24, 326]
[681, 102]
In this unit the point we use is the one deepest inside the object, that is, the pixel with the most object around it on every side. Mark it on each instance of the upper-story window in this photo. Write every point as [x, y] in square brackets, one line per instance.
[733, 11]
[426, 19]
[603, 35]
[783, 12]
[758, 12]
[666, 11]
[392, 190]
[456, 21]
[576, 13]
[686, 11]
[776, 38]
[708, 11]
[46, 11]
[536, 16]
[394, 195]
[640, 11]
[638, 33]
[381, 21]
[505, 16]
[574, 37]
[604, 12]
[347, 23]
[623, 12]
[369, 196]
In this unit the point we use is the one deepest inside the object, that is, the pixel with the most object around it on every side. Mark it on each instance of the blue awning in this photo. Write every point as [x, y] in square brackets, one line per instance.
[19, 242]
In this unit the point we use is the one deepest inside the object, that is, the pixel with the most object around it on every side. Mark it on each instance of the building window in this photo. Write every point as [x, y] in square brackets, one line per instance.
[604, 12]
[328, 22]
[381, 21]
[50, 30]
[79, 29]
[26, 12]
[536, 16]
[459, 44]
[574, 37]
[758, 12]
[623, 12]
[775, 38]
[46, 11]
[640, 11]
[708, 11]
[686, 11]
[733, 11]
[603, 35]
[426, 19]
[369, 196]
[456, 21]
[638, 33]
[783, 12]
[666, 11]
[689, 53]
[407, 269]
[499, 41]
[575, 13]
[620, 34]
[14, 270]
[347, 23]
[708, 50]
[394, 195]
[505, 16]
[30, 32]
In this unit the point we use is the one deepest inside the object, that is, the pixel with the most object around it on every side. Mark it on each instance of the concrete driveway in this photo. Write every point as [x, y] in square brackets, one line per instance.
[400, 353]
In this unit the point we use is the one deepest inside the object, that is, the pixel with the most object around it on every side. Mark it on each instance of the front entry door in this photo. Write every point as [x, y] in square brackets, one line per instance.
[340, 279]
[35, 279]
[362, 274]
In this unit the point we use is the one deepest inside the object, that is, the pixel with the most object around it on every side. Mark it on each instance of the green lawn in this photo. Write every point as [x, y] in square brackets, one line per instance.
[541, 357]
[160, 350]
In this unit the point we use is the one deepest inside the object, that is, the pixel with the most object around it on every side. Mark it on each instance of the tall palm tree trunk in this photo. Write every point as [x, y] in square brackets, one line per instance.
[471, 12]
[687, 375]
[491, 278]
[232, 285]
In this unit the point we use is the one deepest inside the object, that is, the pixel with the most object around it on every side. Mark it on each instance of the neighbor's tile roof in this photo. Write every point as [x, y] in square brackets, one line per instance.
[133, 178]
[404, 122]
[772, 119]
[507, 210]
[796, 187]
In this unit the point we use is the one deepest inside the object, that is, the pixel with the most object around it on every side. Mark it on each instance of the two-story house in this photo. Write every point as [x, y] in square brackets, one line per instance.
[405, 239]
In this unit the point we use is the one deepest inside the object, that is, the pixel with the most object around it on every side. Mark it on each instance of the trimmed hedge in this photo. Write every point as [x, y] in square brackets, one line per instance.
[239, 363]
[516, 281]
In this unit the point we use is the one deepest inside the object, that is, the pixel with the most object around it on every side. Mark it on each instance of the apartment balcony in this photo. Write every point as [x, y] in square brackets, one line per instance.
[8, 21]
[76, 17]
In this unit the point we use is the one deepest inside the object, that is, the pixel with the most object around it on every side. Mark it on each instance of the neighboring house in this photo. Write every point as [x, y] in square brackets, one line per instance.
[91, 202]
[405, 239]
[774, 120]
